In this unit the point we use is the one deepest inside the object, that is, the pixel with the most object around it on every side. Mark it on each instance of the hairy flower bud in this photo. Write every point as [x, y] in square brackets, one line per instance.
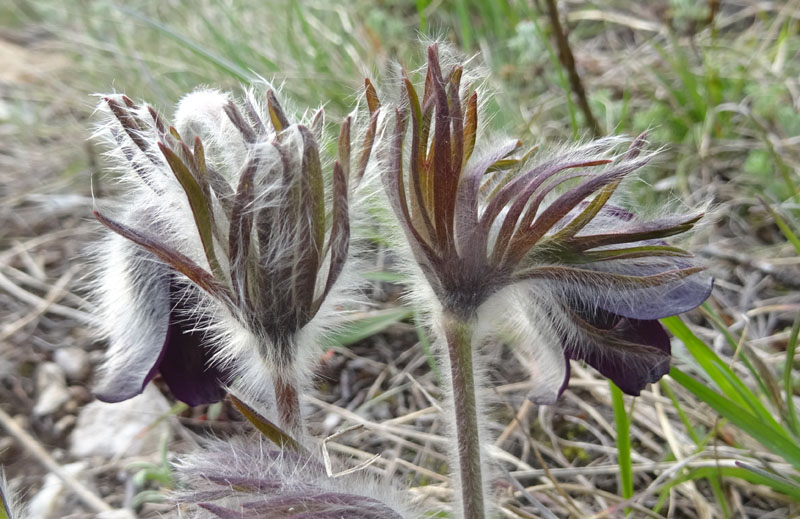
[532, 246]
[240, 239]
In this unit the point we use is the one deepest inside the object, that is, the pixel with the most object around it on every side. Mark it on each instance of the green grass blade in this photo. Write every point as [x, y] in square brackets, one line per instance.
[465, 24]
[226, 66]
[359, 329]
[384, 276]
[782, 225]
[715, 482]
[5, 507]
[681, 413]
[788, 383]
[562, 77]
[765, 383]
[725, 379]
[623, 426]
[679, 62]
[759, 477]
[774, 439]
[423, 20]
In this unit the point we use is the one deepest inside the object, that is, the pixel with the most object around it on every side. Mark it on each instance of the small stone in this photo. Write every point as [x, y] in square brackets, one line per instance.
[6, 370]
[80, 394]
[49, 502]
[51, 386]
[74, 362]
[64, 424]
[116, 514]
[121, 429]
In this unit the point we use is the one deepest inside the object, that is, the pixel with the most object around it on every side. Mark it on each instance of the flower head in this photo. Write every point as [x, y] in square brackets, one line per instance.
[532, 247]
[240, 238]
[253, 479]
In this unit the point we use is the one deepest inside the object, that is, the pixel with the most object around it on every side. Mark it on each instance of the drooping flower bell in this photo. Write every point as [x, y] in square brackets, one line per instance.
[240, 237]
[149, 323]
[531, 247]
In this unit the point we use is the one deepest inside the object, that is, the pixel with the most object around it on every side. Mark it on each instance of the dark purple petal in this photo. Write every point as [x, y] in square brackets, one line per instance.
[186, 364]
[653, 302]
[630, 352]
[187, 369]
[656, 302]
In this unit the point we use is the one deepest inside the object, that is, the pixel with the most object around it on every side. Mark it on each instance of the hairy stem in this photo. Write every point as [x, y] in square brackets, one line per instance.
[458, 334]
[287, 402]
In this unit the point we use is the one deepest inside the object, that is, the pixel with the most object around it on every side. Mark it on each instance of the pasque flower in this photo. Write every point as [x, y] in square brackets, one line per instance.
[530, 251]
[481, 223]
[240, 241]
[253, 480]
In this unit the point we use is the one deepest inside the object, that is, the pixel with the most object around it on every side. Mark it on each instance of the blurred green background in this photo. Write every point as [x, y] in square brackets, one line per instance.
[714, 82]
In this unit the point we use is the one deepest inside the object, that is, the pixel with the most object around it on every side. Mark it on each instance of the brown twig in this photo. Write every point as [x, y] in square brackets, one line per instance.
[89, 498]
[568, 62]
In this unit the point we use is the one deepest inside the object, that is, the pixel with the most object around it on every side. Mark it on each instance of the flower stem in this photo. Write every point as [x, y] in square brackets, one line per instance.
[287, 402]
[458, 334]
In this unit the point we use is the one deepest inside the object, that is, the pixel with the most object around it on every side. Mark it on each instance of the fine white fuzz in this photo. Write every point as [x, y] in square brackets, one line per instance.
[537, 251]
[251, 477]
[8, 500]
[275, 303]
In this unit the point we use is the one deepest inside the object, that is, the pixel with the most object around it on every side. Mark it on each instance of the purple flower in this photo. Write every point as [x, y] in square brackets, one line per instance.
[240, 241]
[529, 249]
[152, 332]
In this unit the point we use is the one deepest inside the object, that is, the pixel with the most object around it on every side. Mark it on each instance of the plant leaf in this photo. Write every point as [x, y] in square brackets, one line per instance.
[339, 240]
[366, 149]
[266, 427]
[276, 114]
[240, 232]
[373, 103]
[244, 127]
[763, 432]
[199, 205]
[172, 257]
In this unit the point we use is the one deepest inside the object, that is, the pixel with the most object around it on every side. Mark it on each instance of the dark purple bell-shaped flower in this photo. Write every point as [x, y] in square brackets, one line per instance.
[151, 330]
